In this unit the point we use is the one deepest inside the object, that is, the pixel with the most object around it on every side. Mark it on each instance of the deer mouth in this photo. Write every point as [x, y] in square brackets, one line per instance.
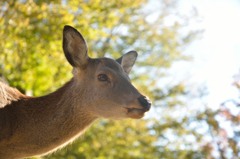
[138, 109]
[136, 113]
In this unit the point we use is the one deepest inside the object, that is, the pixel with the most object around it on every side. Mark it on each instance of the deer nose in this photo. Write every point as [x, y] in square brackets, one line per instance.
[145, 102]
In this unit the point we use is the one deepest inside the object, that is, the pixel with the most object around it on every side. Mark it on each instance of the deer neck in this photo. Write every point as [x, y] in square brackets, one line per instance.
[48, 122]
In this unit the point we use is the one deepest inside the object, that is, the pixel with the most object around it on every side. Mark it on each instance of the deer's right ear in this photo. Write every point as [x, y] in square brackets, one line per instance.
[127, 61]
[75, 47]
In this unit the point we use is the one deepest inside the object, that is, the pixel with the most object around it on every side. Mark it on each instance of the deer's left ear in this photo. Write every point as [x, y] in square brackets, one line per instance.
[127, 61]
[75, 47]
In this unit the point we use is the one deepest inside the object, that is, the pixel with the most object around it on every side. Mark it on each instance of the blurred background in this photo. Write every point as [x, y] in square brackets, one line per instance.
[188, 64]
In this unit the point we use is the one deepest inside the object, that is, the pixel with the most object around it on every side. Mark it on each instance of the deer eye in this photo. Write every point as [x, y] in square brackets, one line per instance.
[102, 77]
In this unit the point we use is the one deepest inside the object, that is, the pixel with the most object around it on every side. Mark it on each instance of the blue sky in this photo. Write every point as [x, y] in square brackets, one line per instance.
[217, 53]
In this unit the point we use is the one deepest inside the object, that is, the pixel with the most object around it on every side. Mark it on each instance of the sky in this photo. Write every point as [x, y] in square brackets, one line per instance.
[216, 55]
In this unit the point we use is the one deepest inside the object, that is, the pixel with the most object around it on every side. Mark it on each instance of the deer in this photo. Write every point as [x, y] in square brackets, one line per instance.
[100, 88]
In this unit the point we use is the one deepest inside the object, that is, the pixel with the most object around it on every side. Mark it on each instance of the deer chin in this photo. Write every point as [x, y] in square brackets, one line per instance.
[135, 113]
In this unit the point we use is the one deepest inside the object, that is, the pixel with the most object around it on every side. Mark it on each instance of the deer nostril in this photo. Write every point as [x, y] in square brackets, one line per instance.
[146, 103]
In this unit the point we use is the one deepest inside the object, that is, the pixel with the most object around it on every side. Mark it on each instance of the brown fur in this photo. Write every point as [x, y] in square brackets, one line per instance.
[38, 125]
[31, 126]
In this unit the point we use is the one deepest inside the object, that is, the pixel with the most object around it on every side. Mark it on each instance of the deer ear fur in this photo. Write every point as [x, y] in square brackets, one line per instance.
[75, 47]
[127, 60]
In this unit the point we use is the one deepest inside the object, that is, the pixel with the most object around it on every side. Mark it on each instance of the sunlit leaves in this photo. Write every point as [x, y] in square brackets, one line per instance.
[126, 139]
[31, 59]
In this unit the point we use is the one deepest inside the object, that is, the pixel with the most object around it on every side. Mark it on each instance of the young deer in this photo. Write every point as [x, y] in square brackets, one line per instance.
[100, 88]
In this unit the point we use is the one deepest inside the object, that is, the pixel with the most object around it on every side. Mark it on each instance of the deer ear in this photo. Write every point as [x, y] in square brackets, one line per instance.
[127, 61]
[74, 47]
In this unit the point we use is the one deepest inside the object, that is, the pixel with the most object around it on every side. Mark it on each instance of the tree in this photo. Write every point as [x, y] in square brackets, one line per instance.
[224, 128]
[32, 60]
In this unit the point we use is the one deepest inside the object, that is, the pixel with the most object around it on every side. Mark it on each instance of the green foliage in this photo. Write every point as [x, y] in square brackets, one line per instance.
[32, 46]
[113, 139]
[31, 59]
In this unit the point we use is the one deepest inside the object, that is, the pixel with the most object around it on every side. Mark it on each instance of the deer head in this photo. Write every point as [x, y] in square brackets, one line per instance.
[108, 91]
